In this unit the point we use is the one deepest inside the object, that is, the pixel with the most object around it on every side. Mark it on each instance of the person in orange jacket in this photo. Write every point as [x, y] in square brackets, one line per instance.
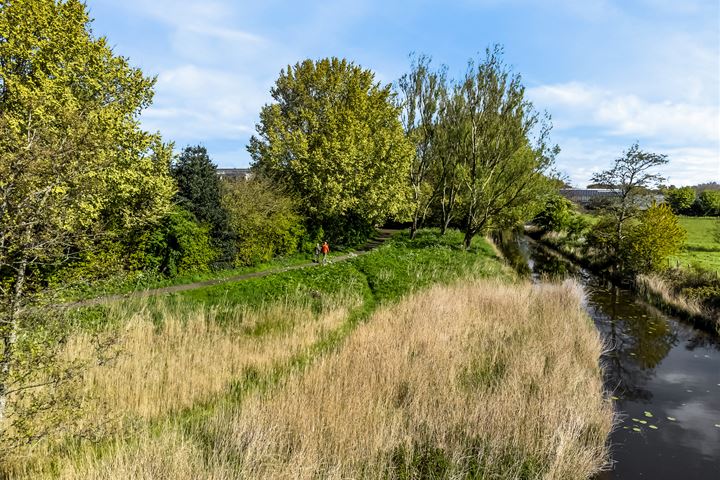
[325, 249]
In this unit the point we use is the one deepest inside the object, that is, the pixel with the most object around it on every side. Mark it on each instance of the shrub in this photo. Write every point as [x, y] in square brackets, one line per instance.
[649, 242]
[178, 245]
[263, 220]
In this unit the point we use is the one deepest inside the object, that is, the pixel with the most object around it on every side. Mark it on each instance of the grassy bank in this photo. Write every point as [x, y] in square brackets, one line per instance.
[202, 375]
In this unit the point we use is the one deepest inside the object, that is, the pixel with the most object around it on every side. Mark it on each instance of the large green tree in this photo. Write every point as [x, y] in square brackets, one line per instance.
[73, 161]
[502, 147]
[333, 138]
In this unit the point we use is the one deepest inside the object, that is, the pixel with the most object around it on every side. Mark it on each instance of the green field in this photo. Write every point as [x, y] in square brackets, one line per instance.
[701, 247]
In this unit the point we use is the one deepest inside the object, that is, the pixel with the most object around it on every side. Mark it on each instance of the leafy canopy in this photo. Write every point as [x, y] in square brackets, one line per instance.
[74, 165]
[332, 138]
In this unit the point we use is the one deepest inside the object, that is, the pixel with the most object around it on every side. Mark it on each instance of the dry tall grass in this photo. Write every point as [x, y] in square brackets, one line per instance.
[482, 379]
[654, 285]
[174, 357]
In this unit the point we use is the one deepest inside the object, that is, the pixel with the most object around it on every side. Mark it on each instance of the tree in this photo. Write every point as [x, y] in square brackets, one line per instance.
[448, 147]
[631, 181]
[652, 240]
[177, 245]
[263, 220]
[421, 94]
[556, 215]
[680, 199]
[73, 162]
[332, 138]
[502, 171]
[708, 202]
[199, 192]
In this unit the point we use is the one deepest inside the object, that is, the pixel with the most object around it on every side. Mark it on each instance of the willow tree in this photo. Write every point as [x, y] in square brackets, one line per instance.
[73, 162]
[422, 93]
[333, 139]
[502, 147]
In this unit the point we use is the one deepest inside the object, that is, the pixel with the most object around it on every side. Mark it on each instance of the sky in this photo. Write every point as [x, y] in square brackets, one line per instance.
[608, 72]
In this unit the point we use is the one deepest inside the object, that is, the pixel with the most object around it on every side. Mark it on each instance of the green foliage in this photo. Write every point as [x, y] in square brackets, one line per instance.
[422, 94]
[178, 245]
[199, 192]
[74, 164]
[333, 139]
[708, 203]
[262, 219]
[652, 240]
[680, 199]
[556, 215]
[500, 167]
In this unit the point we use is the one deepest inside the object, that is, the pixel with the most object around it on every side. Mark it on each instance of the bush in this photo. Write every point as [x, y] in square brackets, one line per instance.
[177, 246]
[556, 214]
[263, 220]
[649, 242]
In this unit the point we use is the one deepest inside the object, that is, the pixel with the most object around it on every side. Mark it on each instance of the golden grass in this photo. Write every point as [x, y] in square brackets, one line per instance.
[654, 285]
[486, 379]
[170, 359]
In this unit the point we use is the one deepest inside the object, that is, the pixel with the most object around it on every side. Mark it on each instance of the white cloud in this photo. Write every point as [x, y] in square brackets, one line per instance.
[201, 103]
[576, 105]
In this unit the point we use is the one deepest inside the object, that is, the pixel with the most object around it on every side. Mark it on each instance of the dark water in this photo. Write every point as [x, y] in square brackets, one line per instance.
[663, 373]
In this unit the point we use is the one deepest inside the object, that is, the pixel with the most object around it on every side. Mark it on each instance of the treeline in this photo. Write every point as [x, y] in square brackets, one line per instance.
[700, 200]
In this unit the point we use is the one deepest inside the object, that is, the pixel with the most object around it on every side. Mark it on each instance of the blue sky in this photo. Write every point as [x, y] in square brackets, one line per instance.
[609, 72]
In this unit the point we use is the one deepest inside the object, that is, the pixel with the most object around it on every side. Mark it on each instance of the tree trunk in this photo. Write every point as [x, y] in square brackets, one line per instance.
[468, 239]
[8, 334]
[414, 227]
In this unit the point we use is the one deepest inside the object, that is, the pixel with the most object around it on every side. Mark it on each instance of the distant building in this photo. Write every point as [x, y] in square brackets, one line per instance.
[593, 196]
[235, 173]
[585, 196]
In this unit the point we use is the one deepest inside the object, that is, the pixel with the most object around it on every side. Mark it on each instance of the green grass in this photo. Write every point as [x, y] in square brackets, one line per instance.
[701, 247]
[393, 270]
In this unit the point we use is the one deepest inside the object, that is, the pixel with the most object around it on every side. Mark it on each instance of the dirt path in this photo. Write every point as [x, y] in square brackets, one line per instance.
[384, 235]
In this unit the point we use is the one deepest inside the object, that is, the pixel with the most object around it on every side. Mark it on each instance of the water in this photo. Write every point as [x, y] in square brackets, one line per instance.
[664, 373]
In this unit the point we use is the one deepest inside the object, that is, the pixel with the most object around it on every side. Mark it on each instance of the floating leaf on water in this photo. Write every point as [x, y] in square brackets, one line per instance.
[635, 420]
[648, 414]
[653, 427]
[717, 425]
[632, 354]
[689, 391]
[635, 429]
[626, 428]
[614, 398]
[643, 422]
[672, 419]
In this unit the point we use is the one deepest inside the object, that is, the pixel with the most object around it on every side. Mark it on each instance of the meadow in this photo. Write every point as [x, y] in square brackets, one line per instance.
[416, 360]
[702, 248]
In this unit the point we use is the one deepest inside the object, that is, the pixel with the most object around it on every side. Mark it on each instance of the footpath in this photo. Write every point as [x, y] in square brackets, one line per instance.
[383, 236]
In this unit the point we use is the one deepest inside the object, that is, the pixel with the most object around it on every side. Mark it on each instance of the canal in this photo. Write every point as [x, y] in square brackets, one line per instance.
[663, 374]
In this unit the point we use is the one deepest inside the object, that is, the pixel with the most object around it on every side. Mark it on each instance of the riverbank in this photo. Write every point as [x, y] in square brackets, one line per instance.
[206, 381]
[688, 293]
[662, 373]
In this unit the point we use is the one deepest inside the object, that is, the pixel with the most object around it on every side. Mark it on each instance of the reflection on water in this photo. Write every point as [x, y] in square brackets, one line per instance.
[663, 373]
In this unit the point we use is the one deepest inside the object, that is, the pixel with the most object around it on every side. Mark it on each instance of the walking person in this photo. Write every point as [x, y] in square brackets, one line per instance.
[325, 250]
[318, 251]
